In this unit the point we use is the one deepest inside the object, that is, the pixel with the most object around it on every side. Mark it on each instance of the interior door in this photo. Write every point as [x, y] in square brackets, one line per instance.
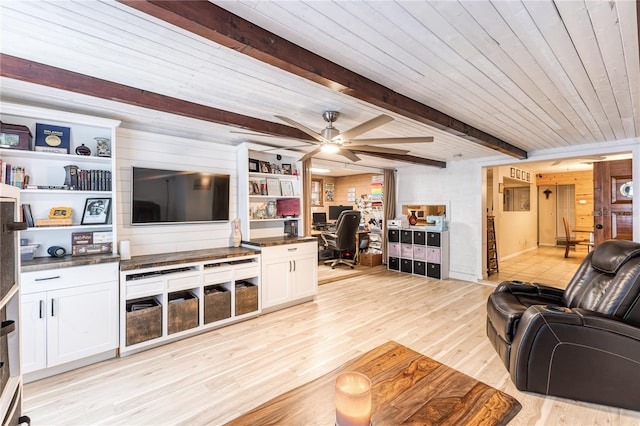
[613, 208]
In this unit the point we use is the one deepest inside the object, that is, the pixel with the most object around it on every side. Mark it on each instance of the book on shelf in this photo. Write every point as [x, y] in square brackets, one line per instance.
[27, 215]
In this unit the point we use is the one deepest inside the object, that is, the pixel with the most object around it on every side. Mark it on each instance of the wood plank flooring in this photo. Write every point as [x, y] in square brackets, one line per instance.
[211, 378]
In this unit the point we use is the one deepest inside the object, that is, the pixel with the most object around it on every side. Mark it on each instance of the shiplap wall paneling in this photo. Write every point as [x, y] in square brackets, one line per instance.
[150, 150]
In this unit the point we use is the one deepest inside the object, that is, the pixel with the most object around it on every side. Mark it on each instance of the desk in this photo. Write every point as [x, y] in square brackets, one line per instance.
[407, 388]
[360, 235]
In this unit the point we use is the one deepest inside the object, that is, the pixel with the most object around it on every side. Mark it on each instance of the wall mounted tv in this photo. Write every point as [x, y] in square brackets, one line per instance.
[170, 197]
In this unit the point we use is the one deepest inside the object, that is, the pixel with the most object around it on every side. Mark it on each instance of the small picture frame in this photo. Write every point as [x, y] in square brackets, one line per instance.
[273, 187]
[286, 169]
[528, 177]
[265, 167]
[96, 211]
[254, 166]
[513, 172]
[60, 213]
[287, 188]
[518, 174]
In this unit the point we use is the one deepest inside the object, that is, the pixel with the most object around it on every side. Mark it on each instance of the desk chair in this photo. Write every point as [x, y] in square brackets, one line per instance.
[343, 238]
[570, 241]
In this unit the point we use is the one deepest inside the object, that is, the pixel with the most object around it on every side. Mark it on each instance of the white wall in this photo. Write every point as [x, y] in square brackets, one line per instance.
[142, 149]
[460, 187]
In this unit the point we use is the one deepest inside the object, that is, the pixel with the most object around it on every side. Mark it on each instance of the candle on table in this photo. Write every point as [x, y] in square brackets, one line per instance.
[353, 399]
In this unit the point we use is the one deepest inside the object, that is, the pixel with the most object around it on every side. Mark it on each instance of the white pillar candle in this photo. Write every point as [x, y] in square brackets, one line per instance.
[353, 399]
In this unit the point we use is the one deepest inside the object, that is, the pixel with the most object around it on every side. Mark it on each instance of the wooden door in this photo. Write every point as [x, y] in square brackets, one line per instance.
[613, 209]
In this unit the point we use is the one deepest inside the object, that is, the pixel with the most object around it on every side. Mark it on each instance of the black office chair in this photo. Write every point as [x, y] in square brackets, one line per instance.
[343, 239]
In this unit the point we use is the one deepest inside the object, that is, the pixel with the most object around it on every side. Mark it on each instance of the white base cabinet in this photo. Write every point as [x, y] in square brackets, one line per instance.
[289, 274]
[68, 314]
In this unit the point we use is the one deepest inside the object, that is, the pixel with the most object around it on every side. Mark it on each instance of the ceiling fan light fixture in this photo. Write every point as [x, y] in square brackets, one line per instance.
[330, 148]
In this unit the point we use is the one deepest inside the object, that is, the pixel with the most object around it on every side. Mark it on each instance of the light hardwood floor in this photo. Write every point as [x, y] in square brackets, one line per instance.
[213, 377]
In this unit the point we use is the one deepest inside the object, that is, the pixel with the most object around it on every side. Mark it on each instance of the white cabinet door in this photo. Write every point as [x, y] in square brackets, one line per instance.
[305, 277]
[82, 321]
[33, 331]
[275, 282]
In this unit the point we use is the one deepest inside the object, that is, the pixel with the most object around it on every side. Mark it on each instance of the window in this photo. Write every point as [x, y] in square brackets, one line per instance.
[316, 192]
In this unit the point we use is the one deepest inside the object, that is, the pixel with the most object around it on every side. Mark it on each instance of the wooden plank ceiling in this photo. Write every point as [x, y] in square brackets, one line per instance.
[510, 77]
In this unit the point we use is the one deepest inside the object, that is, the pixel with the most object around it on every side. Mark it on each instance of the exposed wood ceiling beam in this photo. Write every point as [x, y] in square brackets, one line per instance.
[216, 24]
[45, 75]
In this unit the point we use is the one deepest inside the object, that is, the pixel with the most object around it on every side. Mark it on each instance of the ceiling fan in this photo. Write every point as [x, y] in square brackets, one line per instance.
[331, 140]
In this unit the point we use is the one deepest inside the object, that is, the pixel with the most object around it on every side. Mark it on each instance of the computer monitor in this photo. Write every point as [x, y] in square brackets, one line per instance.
[334, 211]
[320, 217]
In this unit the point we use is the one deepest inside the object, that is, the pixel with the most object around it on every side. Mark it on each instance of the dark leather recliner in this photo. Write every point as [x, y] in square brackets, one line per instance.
[581, 343]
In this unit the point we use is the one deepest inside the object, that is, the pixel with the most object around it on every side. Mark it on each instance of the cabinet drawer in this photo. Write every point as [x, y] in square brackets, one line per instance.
[406, 236]
[419, 237]
[247, 270]
[393, 235]
[68, 277]
[406, 265]
[433, 255]
[433, 239]
[394, 249]
[433, 270]
[288, 250]
[420, 252]
[406, 251]
[394, 263]
[183, 282]
[221, 274]
[144, 287]
[419, 267]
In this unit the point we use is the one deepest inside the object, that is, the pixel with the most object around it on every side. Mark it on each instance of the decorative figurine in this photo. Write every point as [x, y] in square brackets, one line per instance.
[103, 149]
[83, 150]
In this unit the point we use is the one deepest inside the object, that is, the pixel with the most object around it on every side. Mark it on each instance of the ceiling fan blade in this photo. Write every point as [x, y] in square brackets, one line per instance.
[350, 155]
[310, 154]
[364, 127]
[303, 128]
[355, 142]
[380, 149]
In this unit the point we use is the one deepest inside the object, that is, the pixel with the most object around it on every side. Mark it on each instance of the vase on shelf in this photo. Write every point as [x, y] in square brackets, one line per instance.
[271, 209]
[413, 218]
[236, 235]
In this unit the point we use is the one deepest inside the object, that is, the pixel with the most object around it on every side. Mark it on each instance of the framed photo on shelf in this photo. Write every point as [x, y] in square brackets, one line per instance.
[518, 174]
[265, 167]
[254, 166]
[273, 187]
[287, 188]
[96, 211]
[286, 169]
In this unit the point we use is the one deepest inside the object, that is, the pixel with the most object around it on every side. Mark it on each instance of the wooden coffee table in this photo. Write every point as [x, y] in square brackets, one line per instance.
[407, 388]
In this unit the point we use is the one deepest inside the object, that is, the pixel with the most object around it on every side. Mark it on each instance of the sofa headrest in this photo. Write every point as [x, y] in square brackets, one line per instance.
[610, 255]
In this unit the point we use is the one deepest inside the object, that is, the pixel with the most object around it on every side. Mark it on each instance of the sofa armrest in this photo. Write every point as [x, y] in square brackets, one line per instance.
[578, 354]
[526, 288]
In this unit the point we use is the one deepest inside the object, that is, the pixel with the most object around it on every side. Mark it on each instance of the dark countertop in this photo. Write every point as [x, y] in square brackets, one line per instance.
[45, 263]
[278, 241]
[165, 259]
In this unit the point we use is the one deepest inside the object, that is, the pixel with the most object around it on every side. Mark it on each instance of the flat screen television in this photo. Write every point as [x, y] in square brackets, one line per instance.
[334, 211]
[170, 196]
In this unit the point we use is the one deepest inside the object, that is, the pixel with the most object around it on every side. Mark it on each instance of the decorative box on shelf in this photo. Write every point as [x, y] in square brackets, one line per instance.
[144, 320]
[246, 297]
[53, 222]
[182, 311]
[217, 304]
[14, 136]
